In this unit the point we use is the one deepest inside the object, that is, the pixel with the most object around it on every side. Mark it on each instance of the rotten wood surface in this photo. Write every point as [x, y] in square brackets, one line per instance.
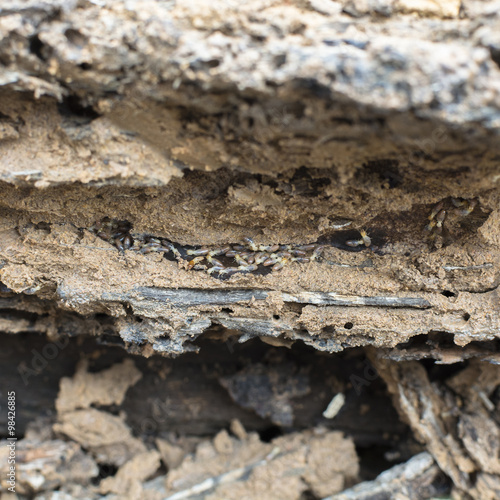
[170, 320]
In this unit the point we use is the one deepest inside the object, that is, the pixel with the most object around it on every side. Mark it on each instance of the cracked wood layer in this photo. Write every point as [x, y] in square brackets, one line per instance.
[169, 320]
[334, 299]
[190, 297]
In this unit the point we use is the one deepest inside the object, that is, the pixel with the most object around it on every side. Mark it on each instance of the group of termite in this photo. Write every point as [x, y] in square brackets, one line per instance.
[248, 256]
[438, 214]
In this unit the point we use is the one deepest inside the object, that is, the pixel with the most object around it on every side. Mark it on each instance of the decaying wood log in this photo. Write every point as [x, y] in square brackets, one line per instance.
[196, 176]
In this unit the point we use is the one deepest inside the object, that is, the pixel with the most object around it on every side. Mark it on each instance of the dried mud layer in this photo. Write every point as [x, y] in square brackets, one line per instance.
[320, 176]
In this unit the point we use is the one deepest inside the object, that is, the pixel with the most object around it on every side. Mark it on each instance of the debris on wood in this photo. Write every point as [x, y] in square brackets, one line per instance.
[318, 461]
[104, 388]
